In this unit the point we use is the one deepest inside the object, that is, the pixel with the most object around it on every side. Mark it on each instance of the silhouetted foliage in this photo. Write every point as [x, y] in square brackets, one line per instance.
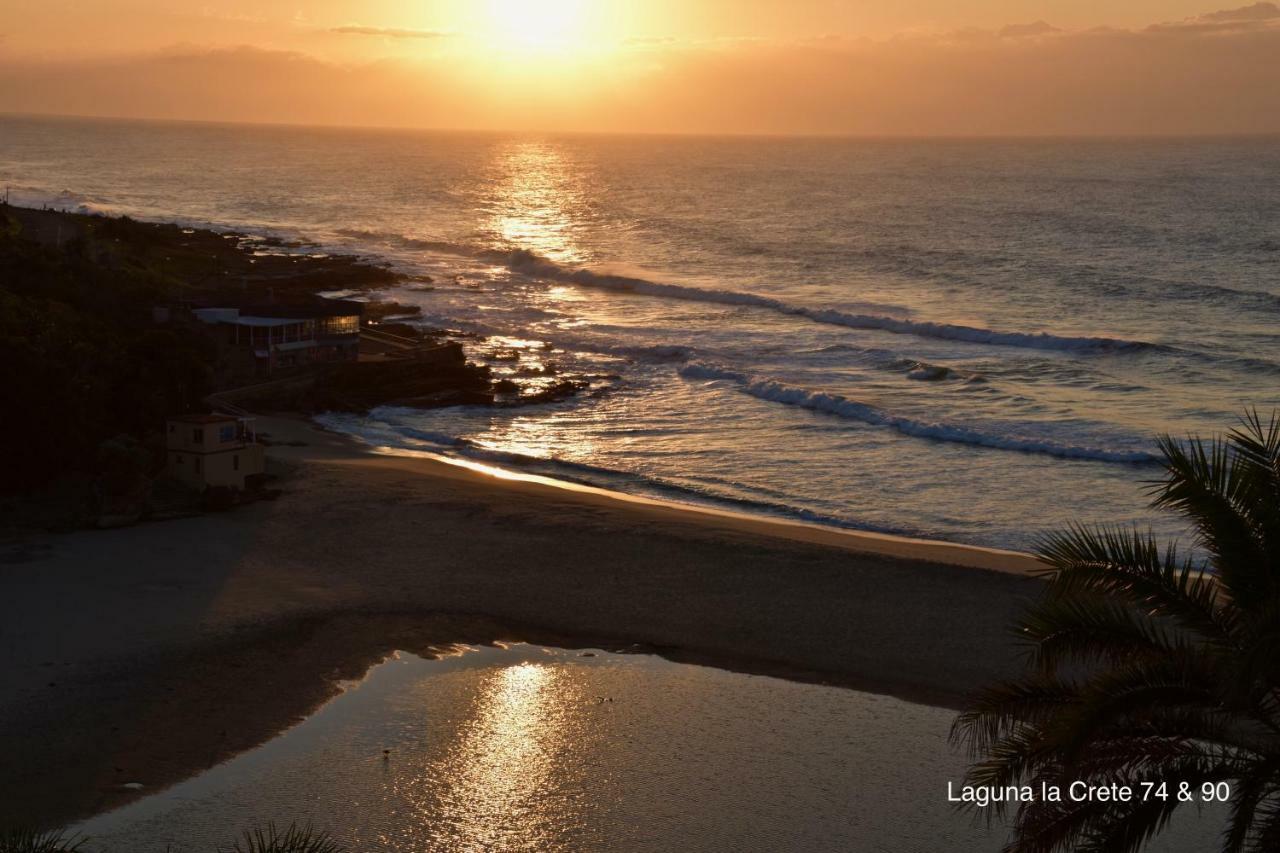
[1148, 666]
[30, 841]
[123, 464]
[82, 358]
[295, 839]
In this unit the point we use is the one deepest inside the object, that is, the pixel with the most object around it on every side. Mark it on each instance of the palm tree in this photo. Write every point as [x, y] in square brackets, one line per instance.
[1147, 666]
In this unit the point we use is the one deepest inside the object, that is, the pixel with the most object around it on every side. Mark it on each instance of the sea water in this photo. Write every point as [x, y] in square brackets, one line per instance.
[973, 340]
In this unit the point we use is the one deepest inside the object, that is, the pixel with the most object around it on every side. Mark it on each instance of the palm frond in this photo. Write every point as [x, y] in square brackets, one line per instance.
[1127, 827]
[1001, 708]
[1130, 565]
[1046, 826]
[1088, 628]
[1250, 793]
[32, 841]
[294, 839]
[1206, 482]
[1265, 836]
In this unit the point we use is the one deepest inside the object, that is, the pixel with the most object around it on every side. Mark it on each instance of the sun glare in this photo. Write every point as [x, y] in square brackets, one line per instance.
[538, 25]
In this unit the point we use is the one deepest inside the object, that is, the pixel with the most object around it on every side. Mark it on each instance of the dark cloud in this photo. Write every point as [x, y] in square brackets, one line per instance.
[389, 32]
[1256, 12]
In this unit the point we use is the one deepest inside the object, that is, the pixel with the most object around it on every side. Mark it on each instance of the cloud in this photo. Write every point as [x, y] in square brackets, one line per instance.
[1028, 82]
[1256, 12]
[1258, 16]
[389, 32]
[1039, 28]
[209, 85]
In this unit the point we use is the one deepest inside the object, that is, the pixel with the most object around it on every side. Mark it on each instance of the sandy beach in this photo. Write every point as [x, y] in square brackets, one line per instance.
[149, 653]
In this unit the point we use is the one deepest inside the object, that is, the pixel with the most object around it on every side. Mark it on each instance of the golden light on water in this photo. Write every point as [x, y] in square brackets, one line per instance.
[494, 788]
[538, 200]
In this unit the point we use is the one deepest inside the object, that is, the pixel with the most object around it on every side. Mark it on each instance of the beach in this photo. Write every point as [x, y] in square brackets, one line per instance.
[150, 653]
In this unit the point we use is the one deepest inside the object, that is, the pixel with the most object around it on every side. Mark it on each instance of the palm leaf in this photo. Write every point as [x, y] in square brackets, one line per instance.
[31, 841]
[294, 839]
[1206, 484]
[1130, 566]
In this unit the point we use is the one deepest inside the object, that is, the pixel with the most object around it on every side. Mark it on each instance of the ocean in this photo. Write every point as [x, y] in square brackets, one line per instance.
[969, 340]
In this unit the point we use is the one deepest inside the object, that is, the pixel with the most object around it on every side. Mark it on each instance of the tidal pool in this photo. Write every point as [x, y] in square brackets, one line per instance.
[536, 749]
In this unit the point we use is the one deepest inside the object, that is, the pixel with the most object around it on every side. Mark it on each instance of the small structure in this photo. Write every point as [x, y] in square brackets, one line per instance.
[213, 450]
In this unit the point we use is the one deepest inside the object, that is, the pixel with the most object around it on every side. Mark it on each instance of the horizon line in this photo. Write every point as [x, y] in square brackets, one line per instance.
[387, 128]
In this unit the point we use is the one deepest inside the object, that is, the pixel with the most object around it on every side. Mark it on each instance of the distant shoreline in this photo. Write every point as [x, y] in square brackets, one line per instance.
[204, 637]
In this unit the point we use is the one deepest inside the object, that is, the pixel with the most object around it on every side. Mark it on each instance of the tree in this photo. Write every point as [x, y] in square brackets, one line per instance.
[1146, 665]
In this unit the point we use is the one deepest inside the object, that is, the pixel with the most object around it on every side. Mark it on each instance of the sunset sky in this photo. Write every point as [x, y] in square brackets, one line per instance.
[714, 66]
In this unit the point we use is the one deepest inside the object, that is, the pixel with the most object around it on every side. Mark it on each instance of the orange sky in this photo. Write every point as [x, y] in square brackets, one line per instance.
[716, 66]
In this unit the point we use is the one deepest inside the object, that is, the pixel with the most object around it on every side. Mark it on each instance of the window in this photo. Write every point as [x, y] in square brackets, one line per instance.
[340, 325]
[227, 433]
[197, 435]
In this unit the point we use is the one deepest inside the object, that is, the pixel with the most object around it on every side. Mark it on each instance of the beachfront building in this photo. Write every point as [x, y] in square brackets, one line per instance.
[213, 450]
[265, 339]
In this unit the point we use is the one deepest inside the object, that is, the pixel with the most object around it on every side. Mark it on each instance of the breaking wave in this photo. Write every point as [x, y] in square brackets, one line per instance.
[841, 406]
[529, 263]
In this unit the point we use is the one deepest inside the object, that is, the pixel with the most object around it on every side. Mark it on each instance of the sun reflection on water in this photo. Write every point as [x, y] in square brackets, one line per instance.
[538, 201]
[502, 784]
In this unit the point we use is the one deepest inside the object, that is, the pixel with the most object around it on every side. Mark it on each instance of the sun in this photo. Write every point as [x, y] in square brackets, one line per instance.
[538, 25]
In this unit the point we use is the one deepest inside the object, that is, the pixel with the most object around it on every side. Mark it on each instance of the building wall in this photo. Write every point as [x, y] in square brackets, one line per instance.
[202, 438]
[211, 454]
[227, 468]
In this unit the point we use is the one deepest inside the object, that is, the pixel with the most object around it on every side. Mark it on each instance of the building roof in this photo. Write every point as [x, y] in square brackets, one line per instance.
[303, 306]
[264, 321]
[202, 419]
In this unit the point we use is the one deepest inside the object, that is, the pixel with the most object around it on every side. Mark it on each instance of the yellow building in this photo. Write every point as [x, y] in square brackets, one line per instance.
[212, 450]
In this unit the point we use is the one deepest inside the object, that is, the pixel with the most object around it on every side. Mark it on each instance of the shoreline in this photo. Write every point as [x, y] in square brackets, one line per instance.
[205, 637]
[861, 541]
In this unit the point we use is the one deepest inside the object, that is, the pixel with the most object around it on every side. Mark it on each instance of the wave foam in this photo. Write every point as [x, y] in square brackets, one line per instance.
[841, 406]
[529, 263]
[526, 262]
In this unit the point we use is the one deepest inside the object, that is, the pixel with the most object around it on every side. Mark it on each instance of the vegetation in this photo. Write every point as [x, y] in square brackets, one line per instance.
[294, 839]
[90, 373]
[28, 841]
[1149, 667]
[84, 360]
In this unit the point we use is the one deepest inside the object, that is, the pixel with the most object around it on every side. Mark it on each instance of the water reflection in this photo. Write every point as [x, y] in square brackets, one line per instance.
[538, 200]
[496, 789]
[545, 435]
[514, 750]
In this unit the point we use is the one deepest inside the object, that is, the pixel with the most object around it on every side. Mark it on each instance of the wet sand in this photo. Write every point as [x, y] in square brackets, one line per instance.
[150, 653]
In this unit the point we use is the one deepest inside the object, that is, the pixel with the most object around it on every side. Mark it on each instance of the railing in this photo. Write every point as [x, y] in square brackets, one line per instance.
[389, 339]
